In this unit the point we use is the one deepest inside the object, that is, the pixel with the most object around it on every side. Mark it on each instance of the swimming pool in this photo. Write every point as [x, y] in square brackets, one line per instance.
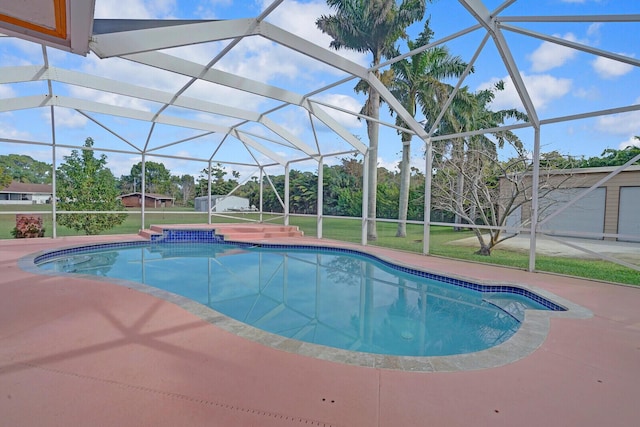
[339, 298]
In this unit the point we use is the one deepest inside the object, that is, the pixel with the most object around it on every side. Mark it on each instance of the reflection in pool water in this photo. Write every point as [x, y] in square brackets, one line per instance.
[334, 298]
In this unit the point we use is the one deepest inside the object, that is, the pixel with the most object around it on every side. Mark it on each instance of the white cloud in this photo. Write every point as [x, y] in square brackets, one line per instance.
[129, 72]
[542, 89]
[120, 164]
[133, 73]
[390, 165]
[17, 52]
[66, 118]
[631, 142]
[345, 102]
[224, 95]
[7, 92]
[551, 55]
[10, 132]
[594, 29]
[592, 93]
[110, 98]
[134, 9]
[300, 18]
[620, 124]
[610, 69]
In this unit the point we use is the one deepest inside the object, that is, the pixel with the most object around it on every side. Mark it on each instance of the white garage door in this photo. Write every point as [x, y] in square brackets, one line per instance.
[586, 215]
[629, 214]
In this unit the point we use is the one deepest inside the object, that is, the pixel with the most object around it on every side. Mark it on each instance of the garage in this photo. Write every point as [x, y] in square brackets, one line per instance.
[628, 215]
[584, 216]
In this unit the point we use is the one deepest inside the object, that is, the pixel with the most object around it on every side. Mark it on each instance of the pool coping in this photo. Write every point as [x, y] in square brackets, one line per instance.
[529, 337]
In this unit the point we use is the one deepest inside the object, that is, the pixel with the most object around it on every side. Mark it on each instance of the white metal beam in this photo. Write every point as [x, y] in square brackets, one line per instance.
[23, 102]
[96, 107]
[288, 136]
[258, 147]
[573, 45]
[184, 67]
[312, 50]
[333, 124]
[35, 73]
[397, 106]
[168, 36]
[192, 69]
[481, 13]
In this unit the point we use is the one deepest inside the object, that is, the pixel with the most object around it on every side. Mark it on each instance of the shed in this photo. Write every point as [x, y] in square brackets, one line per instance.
[152, 200]
[610, 208]
[222, 204]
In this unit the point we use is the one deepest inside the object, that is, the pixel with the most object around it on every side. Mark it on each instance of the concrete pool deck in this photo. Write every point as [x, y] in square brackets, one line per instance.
[84, 352]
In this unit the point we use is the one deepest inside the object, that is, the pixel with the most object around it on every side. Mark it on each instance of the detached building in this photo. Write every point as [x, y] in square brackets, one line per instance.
[151, 200]
[20, 193]
[611, 208]
[222, 204]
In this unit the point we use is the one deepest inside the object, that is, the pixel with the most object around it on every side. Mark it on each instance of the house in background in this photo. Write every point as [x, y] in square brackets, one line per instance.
[152, 200]
[223, 204]
[20, 193]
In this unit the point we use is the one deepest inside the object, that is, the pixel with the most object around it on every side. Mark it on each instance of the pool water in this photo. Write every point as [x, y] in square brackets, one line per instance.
[333, 298]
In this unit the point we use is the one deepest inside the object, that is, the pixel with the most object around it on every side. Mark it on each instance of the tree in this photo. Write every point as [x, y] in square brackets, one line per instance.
[157, 178]
[342, 188]
[219, 186]
[467, 182]
[494, 189]
[85, 184]
[5, 178]
[470, 112]
[186, 188]
[23, 168]
[612, 157]
[417, 83]
[303, 189]
[371, 26]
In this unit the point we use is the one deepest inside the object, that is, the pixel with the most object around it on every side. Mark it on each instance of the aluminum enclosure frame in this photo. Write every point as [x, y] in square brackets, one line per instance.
[147, 42]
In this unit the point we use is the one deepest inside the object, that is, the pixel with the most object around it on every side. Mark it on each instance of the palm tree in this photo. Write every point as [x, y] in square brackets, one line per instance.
[469, 112]
[371, 26]
[417, 82]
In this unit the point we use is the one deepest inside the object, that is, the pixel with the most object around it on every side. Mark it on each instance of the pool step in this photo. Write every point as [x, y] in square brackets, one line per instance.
[231, 232]
[147, 233]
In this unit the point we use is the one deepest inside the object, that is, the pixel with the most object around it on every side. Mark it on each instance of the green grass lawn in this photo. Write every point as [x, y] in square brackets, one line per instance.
[439, 237]
[349, 230]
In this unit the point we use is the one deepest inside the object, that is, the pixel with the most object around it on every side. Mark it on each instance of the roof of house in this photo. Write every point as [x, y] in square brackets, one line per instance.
[24, 187]
[148, 195]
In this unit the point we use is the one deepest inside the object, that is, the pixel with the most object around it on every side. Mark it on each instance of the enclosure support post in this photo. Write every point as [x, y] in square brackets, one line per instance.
[365, 198]
[143, 190]
[261, 188]
[286, 194]
[209, 207]
[428, 175]
[320, 199]
[534, 199]
[54, 204]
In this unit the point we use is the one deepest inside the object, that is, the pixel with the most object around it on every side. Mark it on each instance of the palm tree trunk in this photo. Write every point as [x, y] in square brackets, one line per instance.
[405, 181]
[373, 131]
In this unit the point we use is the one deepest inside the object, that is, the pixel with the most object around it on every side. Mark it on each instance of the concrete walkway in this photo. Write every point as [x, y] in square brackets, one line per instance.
[76, 352]
[625, 251]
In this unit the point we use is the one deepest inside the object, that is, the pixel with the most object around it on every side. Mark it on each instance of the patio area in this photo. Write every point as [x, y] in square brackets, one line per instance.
[85, 352]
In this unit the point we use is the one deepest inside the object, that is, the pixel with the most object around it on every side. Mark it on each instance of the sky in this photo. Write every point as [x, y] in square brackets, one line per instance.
[561, 81]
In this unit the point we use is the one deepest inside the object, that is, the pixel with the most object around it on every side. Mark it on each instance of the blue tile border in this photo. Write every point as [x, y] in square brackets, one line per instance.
[550, 305]
[209, 236]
